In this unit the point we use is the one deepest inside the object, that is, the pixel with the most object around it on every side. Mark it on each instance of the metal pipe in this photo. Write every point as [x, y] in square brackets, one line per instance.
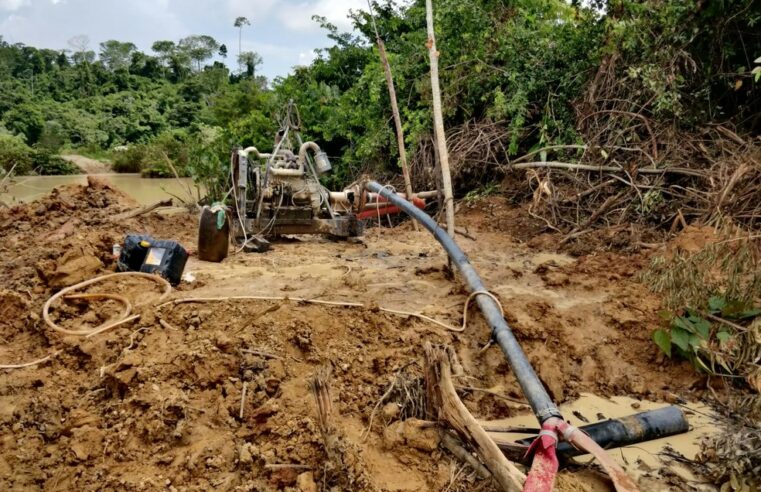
[256, 152]
[303, 152]
[612, 433]
[536, 394]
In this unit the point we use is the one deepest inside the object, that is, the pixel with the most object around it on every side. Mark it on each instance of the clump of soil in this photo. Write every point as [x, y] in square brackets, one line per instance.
[161, 405]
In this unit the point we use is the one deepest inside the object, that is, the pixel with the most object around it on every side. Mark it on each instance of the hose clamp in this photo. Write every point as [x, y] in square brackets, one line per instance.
[548, 433]
[568, 432]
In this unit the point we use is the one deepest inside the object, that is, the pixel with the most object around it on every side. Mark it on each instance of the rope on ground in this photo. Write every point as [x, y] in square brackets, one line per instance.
[108, 325]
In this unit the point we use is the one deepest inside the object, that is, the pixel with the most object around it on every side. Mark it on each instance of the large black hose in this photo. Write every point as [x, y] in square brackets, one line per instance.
[533, 389]
[626, 431]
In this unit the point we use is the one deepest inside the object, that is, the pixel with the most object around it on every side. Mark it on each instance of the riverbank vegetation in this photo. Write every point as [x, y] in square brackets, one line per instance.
[618, 81]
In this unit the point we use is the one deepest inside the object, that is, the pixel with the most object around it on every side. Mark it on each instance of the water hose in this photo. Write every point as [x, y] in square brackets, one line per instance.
[626, 431]
[545, 462]
[537, 396]
[122, 299]
[90, 332]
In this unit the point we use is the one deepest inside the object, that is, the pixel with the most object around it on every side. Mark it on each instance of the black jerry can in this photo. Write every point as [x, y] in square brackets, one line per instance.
[133, 252]
[167, 258]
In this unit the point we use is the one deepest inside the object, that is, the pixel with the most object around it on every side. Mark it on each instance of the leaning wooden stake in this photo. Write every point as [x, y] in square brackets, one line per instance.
[142, 211]
[444, 405]
[438, 121]
[394, 110]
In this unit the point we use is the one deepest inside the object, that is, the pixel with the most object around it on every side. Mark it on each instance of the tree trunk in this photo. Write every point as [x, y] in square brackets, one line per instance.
[443, 405]
[438, 121]
[397, 121]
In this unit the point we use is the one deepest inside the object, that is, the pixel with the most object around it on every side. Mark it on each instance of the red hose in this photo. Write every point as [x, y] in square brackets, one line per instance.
[544, 467]
[387, 210]
[418, 202]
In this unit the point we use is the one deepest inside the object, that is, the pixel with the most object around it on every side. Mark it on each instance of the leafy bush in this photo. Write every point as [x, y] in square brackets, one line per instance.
[712, 319]
[53, 136]
[208, 163]
[14, 152]
[46, 163]
[130, 160]
[150, 159]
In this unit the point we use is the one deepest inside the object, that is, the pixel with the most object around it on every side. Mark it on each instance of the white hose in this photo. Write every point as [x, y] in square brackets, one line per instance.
[90, 332]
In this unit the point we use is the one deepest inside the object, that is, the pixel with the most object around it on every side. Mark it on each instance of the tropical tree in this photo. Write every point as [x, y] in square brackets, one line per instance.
[115, 54]
[80, 43]
[250, 60]
[239, 23]
[198, 48]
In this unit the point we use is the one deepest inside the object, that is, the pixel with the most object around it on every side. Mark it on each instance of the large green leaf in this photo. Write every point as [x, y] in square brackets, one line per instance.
[734, 308]
[680, 338]
[702, 327]
[663, 340]
[684, 324]
[751, 313]
[723, 337]
[695, 342]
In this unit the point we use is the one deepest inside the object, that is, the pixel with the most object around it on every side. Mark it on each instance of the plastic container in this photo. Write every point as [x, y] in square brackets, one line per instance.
[142, 253]
[213, 234]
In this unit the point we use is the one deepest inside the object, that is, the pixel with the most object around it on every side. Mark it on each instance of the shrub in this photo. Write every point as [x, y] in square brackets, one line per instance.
[130, 160]
[150, 159]
[48, 164]
[14, 152]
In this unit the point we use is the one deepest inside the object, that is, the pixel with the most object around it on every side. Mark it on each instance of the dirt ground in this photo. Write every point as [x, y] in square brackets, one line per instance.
[87, 165]
[149, 406]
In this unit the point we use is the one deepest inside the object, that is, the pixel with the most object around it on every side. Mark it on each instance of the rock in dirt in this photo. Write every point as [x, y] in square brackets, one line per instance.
[411, 432]
[76, 265]
[13, 309]
[305, 482]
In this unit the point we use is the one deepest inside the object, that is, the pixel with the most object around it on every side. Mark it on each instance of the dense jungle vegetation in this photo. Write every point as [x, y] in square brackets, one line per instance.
[518, 75]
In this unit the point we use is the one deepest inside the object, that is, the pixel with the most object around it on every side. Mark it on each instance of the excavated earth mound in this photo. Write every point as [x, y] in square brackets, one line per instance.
[215, 395]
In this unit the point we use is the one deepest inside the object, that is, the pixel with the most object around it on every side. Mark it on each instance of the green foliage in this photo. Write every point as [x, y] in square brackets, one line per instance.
[702, 342]
[209, 162]
[46, 163]
[14, 152]
[528, 68]
[483, 192]
[713, 319]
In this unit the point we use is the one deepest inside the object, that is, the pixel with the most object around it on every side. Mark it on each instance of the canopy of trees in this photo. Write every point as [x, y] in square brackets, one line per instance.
[537, 72]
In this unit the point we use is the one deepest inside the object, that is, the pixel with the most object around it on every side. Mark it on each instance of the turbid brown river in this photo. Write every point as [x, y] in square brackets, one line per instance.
[143, 190]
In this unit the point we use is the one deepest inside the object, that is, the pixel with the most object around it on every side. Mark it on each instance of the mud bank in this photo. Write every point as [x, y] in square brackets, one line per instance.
[161, 405]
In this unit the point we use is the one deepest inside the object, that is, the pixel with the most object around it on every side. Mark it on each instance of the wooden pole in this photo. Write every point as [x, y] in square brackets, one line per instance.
[395, 111]
[438, 120]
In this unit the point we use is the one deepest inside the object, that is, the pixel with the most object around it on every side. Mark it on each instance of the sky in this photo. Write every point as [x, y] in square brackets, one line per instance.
[282, 32]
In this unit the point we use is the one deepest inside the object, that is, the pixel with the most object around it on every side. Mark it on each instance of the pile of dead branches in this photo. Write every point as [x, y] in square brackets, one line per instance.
[662, 178]
[635, 162]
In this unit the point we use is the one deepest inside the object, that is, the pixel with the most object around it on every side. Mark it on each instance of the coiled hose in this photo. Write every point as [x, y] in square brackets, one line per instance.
[90, 332]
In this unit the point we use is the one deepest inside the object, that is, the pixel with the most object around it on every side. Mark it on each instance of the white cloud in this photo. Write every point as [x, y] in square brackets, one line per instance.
[255, 10]
[12, 5]
[298, 17]
[305, 58]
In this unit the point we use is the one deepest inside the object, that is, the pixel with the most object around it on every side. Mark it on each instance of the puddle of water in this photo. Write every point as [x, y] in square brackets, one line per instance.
[641, 458]
[144, 190]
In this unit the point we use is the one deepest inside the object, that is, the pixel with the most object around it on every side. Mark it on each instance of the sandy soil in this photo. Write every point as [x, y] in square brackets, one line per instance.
[87, 165]
[148, 407]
